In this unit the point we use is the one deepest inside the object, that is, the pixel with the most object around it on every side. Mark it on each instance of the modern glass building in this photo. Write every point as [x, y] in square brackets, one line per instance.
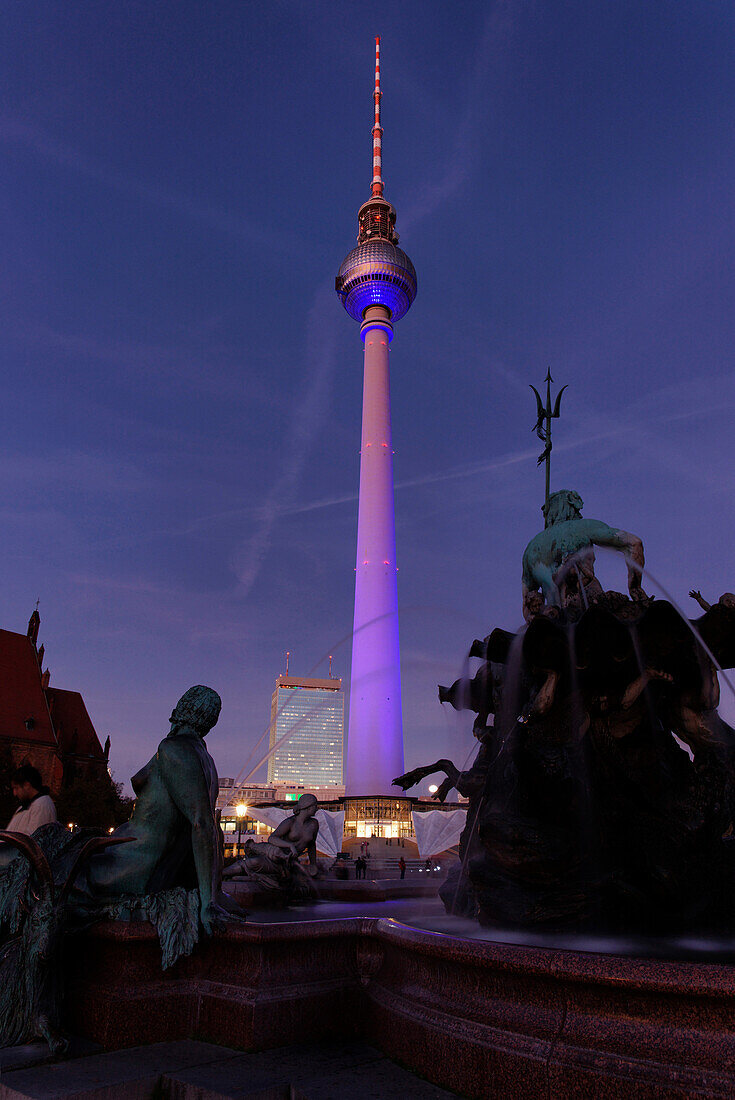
[307, 729]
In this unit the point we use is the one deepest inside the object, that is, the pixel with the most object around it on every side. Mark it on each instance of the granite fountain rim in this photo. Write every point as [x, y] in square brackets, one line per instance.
[713, 979]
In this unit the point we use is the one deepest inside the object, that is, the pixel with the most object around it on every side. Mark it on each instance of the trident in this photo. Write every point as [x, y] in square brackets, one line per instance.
[543, 430]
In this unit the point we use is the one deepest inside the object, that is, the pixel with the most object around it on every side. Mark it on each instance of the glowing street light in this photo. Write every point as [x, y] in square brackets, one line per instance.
[240, 811]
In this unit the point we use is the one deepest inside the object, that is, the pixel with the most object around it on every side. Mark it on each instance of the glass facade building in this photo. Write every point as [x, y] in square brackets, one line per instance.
[306, 732]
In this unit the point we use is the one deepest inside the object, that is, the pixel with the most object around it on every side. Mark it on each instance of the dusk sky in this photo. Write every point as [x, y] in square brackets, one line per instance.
[182, 388]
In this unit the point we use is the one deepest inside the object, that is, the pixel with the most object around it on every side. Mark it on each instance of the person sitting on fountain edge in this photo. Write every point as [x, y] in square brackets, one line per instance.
[36, 805]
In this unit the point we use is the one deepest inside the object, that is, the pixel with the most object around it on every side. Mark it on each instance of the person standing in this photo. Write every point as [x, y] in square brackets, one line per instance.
[402, 866]
[36, 804]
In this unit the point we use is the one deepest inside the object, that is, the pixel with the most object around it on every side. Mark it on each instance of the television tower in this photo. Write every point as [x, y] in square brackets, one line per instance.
[376, 284]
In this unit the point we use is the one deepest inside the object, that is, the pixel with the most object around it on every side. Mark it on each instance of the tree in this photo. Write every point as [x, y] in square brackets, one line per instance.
[94, 803]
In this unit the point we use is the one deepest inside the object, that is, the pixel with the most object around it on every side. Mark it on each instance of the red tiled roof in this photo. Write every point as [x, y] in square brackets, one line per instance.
[72, 723]
[21, 694]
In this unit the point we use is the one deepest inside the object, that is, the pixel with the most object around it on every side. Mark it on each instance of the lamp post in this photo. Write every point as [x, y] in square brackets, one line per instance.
[240, 811]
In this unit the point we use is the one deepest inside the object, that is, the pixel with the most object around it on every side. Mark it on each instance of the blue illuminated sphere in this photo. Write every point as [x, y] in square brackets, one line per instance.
[376, 273]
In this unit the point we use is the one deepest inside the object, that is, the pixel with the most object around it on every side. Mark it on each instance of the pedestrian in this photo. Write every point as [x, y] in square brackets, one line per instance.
[427, 866]
[36, 804]
[402, 866]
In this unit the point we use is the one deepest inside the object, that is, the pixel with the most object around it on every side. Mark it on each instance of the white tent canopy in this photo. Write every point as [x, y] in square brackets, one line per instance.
[437, 830]
[331, 831]
[331, 825]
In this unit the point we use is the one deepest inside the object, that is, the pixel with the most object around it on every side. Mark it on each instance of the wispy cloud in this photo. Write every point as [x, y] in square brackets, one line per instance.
[68, 468]
[196, 617]
[452, 173]
[590, 435]
[308, 417]
[275, 242]
[139, 585]
[135, 359]
[657, 410]
[642, 423]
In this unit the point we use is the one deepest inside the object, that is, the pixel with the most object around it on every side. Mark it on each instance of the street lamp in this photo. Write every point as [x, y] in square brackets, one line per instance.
[240, 811]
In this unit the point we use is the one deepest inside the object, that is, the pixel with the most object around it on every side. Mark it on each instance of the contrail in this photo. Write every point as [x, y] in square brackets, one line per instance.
[308, 416]
[499, 24]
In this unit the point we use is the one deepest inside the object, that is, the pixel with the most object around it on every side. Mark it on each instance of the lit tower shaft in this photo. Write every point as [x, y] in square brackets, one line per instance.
[376, 284]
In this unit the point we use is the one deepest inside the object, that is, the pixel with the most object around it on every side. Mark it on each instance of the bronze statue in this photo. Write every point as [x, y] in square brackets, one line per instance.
[456, 891]
[36, 915]
[274, 863]
[166, 867]
[176, 841]
[567, 534]
[727, 599]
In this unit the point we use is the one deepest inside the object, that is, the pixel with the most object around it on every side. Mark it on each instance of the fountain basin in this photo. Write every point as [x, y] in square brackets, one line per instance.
[483, 1018]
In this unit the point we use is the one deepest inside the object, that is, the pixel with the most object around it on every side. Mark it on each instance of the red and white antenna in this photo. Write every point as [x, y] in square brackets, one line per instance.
[288, 655]
[377, 184]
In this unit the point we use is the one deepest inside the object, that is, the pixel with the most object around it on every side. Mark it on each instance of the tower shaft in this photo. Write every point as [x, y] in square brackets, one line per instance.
[375, 743]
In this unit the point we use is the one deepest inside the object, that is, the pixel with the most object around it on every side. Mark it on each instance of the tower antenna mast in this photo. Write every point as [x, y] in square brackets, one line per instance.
[544, 415]
[376, 188]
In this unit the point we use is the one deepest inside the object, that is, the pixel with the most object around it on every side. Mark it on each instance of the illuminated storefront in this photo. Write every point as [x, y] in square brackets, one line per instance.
[380, 817]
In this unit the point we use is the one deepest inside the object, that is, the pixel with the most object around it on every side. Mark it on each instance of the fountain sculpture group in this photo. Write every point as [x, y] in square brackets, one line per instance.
[603, 793]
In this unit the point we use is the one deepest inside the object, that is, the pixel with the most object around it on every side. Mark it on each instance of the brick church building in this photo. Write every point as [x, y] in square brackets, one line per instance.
[46, 726]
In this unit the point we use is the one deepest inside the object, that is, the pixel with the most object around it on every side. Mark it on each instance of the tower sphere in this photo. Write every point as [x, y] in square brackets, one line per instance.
[376, 273]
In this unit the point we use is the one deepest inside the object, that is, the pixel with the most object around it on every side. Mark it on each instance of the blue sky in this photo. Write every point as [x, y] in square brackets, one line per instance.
[181, 388]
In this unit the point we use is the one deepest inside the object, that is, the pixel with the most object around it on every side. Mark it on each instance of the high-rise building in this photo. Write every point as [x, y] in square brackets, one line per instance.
[376, 285]
[306, 733]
